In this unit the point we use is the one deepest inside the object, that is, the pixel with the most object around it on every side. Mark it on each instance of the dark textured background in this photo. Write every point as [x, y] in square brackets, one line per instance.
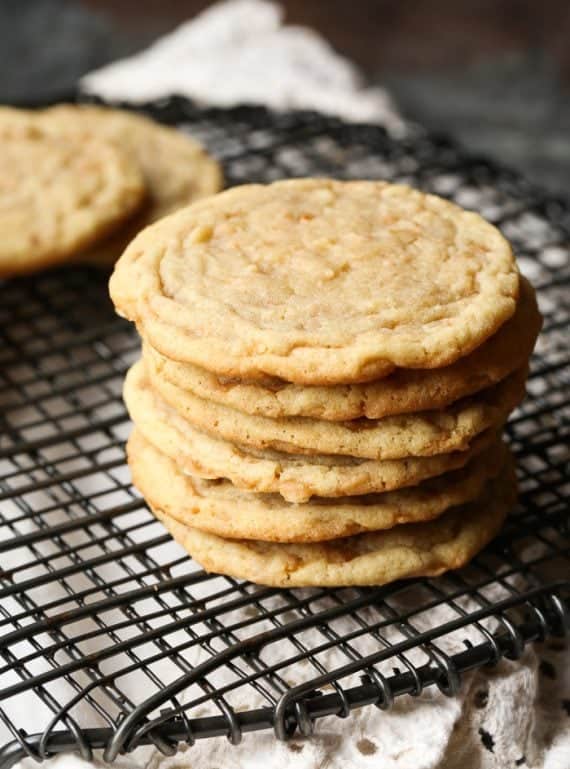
[494, 73]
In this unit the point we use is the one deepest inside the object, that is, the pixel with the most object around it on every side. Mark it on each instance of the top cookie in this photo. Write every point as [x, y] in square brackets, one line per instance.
[58, 195]
[176, 169]
[318, 281]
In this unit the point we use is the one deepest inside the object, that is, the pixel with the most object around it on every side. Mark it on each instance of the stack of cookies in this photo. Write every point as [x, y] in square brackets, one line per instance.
[78, 183]
[326, 370]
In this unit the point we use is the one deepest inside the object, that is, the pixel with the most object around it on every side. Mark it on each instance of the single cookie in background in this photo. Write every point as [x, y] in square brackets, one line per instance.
[410, 550]
[220, 508]
[176, 169]
[58, 195]
[296, 478]
[318, 282]
[393, 437]
[404, 391]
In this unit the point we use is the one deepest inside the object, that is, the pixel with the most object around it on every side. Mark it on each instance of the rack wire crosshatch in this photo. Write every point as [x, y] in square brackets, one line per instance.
[112, 638]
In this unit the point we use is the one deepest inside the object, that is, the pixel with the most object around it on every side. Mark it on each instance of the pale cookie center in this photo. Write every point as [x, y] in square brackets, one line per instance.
[322, 260]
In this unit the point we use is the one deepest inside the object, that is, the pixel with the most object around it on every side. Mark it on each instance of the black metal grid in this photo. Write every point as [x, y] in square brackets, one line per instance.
[112, 638]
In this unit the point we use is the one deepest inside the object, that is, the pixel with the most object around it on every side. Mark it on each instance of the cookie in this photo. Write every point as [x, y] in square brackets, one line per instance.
[176, 169]
[295, 477]
[411, 550]
[58, 196]
[404, 391]
[318, 282]
[220, 508]
[393, 437]
[14, 120]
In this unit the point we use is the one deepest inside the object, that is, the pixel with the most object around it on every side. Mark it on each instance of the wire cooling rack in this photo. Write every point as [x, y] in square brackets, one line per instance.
[111, 637]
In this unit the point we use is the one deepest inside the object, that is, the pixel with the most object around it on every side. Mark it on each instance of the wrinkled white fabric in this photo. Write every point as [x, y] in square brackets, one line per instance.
[241, 52]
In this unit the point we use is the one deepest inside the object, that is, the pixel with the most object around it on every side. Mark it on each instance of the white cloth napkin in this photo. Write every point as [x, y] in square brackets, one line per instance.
[516, 715]
[241, 52]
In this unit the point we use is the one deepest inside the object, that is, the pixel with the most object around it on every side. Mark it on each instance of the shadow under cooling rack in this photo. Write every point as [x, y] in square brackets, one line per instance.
[111, 637]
